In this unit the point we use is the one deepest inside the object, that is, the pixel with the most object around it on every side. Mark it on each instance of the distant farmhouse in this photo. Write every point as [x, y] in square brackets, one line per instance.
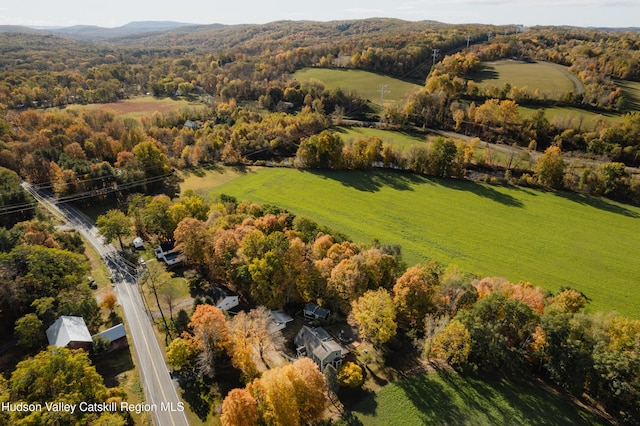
[318, 345]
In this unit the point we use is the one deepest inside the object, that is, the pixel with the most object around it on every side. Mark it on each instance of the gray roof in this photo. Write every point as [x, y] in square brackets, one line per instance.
[315, 310]
[68, 329]
[281, 317]
[317, 342]
[114, 333]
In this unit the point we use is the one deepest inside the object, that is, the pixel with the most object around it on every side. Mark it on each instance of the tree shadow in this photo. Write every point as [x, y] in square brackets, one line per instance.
[598, 203]
[196, 392]
[114, 364]
[481, 190]
[372, 180]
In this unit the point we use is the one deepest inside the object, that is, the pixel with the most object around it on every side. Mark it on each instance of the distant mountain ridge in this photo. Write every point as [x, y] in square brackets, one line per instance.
[96, 32]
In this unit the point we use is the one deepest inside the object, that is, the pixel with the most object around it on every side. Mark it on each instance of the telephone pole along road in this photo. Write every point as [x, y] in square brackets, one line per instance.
[160, 391]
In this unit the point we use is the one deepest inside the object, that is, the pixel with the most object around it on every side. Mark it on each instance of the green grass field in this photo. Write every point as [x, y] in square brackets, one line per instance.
[399, 140]
[631, 92]
[366, 84]
[550, 239]
[547, 78]
[568, 117]
[443, 398]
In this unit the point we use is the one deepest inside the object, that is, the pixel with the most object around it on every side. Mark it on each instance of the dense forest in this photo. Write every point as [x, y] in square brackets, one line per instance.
[249, 109]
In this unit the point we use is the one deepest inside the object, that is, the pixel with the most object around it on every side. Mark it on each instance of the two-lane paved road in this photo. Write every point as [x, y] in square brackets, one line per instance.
[160, 391]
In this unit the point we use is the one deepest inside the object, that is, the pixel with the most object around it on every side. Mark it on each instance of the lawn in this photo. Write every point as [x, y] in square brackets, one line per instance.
[548, 78]
[444, 397]
[142, 106]
[550, 239]
[366, 84]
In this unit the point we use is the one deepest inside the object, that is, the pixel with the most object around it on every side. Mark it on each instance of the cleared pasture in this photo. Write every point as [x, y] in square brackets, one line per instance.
[141, 106]
[548, 78]
[551, 239]
[366, 84]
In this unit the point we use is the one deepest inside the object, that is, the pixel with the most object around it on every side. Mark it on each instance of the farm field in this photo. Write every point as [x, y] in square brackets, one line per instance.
[366, 84]
[399, 140]
[631, 91]
[447, 398]
[568, 117]
[551, 239]
[551, 81]
[141, 106]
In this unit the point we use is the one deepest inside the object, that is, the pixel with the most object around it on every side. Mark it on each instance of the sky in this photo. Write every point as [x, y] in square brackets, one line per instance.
[114, 13]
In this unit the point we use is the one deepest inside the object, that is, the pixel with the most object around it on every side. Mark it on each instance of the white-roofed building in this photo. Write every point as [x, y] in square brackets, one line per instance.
[70, 332]
[116, 336]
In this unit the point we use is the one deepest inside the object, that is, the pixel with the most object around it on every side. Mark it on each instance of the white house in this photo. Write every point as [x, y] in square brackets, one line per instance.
[223, 298]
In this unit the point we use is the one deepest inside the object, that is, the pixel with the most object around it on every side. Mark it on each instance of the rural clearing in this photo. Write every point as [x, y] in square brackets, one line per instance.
[551, 239]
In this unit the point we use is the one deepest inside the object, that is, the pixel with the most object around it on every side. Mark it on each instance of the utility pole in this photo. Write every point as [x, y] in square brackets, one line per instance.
[382, 91]
[468, 40]
[435, 54]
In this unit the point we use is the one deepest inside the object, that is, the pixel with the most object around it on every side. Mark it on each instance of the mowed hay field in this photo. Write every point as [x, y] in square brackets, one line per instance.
[142, 106]
[365, 84]
[548, 78]
[442, 398]
[399, 140]
[550, 239]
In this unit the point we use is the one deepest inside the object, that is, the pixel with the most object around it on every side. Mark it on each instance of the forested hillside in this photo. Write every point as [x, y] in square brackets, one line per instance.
[246, 108]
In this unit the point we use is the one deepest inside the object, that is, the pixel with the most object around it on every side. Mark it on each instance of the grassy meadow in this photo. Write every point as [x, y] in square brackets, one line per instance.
[570, 117]
[550, 239]
[631, 92]
[141, 106]
[549, 79]
[399, 140]
[366, 84]
[444, 397]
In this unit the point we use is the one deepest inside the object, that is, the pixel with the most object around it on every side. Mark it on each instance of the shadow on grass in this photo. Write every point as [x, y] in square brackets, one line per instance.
[373, 181]
[114, 364]
[598, 203]
[196, 392]
[445, 397]
[480, 190]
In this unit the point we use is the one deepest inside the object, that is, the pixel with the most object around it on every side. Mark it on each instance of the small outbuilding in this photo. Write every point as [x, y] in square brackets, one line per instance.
[312, 311]
[70, 332]
[138, 243]
[280, 319]
[116, 336]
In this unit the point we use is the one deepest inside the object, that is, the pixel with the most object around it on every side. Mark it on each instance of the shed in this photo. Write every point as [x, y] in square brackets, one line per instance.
[280, 319]
[70, 332]
[116, 336]
[313, 312]
[138, 243]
